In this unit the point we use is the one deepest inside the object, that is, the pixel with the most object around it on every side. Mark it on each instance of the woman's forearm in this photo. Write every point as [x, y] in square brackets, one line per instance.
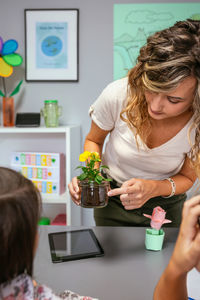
[164, 187]
[184, 180]
[92, 146]
[171, 285]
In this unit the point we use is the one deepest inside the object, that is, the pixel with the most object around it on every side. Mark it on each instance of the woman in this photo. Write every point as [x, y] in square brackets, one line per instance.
[148, 116]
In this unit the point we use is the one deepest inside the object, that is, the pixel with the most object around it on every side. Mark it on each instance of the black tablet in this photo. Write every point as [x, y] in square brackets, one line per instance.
[72, 245]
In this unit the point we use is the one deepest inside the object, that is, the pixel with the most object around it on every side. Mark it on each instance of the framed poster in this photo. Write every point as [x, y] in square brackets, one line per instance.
[51, 44]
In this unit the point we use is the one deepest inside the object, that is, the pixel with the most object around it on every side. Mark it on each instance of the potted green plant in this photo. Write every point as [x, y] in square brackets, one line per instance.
[93, 186]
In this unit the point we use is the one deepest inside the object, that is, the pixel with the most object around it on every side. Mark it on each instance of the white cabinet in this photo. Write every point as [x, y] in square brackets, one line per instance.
[62, 139]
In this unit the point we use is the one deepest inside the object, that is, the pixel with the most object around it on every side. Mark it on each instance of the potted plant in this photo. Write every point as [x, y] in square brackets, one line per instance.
[8, 60]
[93, 186]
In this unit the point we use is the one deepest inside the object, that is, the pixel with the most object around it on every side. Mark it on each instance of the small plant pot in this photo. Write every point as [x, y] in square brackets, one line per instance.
[154, 239]
[94, 195]
[44, 221]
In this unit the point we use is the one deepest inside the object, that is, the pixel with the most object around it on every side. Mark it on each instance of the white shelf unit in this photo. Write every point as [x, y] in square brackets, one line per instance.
[63, 139]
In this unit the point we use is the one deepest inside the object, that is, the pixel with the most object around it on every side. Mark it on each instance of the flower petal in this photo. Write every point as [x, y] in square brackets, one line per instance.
[9, 47]
[96, 155]
[1, 44]
[87, 154]
[13, 59]
[5, 69]
[84, 156]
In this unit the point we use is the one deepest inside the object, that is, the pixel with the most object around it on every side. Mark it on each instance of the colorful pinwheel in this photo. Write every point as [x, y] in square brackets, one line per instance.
[8, 60]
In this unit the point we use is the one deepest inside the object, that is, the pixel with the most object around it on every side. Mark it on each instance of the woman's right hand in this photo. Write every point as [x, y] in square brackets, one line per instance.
[75, 191]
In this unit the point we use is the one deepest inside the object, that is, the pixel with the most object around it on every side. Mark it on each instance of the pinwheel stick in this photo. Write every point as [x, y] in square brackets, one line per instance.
[4, 86]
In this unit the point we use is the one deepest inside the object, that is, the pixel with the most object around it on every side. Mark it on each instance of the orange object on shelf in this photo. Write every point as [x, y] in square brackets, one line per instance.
[8, 111]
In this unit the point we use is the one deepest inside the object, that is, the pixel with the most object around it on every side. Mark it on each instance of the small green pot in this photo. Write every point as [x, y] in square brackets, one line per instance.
[154, 239]
[44, 221]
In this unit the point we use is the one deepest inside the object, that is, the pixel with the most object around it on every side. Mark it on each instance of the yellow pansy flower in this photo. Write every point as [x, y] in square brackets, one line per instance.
[95, 155]
[91, 171]
[84, 156]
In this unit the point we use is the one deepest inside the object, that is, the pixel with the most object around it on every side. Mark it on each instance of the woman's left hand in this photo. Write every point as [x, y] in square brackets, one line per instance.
[134, 193]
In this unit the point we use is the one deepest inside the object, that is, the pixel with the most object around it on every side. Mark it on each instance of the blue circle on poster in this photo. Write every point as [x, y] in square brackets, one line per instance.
[51, 45]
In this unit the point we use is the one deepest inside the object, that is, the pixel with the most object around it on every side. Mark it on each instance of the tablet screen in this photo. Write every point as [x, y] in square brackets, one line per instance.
[71, 245]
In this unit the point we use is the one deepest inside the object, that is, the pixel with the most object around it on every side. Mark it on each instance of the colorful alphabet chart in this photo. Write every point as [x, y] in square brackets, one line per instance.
[46, 170]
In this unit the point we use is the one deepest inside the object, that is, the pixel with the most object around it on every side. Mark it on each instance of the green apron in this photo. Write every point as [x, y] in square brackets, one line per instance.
[114, 214]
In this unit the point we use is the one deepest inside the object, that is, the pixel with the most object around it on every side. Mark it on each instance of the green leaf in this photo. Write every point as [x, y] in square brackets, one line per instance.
[104, 167]
[16, 90]
[82, 176]
[2, 94]
[84, 169]
[107, 179]
[98, 179]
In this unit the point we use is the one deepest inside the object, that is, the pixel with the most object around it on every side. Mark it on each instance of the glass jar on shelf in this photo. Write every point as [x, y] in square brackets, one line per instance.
[51, 113]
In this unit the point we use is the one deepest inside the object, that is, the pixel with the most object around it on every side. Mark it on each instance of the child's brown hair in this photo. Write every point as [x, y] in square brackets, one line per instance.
[20, 203]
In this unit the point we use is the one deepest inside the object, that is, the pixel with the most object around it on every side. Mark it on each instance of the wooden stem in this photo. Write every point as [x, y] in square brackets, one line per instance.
[4, 86]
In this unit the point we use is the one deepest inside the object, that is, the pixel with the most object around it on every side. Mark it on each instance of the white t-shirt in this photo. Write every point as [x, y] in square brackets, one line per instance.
[121, 154]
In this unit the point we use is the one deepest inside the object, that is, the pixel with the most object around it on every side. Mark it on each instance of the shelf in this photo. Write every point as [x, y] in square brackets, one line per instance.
[63, 139]
[55, 199]
[40, 129]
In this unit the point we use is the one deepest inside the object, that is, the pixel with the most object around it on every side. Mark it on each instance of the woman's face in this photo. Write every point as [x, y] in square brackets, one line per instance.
[174, 103]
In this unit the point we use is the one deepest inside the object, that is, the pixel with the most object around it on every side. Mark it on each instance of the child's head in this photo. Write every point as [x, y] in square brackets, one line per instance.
[19, 213]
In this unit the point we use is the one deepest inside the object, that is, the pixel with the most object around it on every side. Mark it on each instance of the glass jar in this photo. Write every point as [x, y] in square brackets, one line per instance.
[51, 113]
[94, 195]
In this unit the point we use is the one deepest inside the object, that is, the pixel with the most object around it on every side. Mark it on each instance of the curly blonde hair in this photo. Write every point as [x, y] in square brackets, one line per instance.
[169, 56]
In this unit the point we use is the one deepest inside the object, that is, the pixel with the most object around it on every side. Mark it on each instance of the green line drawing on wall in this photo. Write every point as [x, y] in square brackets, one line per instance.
[133, 23]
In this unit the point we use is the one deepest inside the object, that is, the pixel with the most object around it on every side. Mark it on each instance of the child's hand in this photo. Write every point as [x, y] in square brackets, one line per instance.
[34, 282]
[186, 254]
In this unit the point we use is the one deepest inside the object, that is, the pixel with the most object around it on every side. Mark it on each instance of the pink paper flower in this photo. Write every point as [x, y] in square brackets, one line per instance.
[157, 218]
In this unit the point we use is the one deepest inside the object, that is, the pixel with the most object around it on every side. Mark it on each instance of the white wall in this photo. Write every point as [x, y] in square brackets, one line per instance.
[95, 57]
